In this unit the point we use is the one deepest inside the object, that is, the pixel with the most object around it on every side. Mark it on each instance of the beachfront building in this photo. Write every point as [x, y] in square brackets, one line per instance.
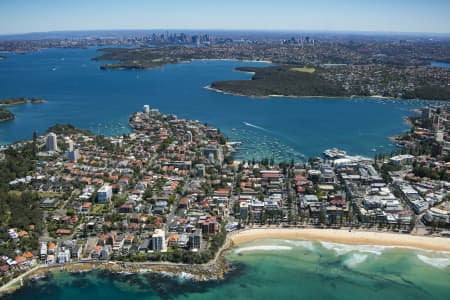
[159, 241]
[194, 241]
[401, 160]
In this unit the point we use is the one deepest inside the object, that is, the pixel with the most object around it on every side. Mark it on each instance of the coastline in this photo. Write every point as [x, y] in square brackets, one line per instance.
[343, 236]
[117, 66]
[218, 267]
[208, 87]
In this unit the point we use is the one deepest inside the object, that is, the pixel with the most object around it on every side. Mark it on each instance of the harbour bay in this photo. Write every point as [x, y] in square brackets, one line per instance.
[78, 92]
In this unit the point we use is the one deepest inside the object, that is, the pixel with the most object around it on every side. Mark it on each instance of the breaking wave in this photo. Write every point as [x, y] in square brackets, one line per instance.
[304, 244]
[437, 262]
[355, 259]
[263, 248]
[342, 249]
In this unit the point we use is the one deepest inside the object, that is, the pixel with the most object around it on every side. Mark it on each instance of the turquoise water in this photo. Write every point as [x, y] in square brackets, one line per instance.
[78, 92]
[274, 269]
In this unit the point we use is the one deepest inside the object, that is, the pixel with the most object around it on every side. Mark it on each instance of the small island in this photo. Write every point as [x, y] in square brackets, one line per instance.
[6, 115]
[19, 101]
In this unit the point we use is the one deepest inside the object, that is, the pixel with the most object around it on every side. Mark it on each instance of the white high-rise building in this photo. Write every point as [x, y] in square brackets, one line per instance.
[159, 241]
[146, 108]
[52, 143]
[69, 145]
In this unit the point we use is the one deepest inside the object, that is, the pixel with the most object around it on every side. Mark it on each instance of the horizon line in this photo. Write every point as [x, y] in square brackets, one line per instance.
[236, 30]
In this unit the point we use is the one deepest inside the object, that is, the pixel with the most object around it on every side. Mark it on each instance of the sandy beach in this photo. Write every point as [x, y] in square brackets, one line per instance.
[344, 237]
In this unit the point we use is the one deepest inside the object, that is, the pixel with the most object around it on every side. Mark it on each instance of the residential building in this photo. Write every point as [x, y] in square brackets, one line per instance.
[52, 142]
[104, 194]
[159, 241]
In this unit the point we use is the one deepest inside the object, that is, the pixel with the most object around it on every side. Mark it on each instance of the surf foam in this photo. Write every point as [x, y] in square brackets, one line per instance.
[263, 248]
[355, 259]
[342, 249]
[437, 262]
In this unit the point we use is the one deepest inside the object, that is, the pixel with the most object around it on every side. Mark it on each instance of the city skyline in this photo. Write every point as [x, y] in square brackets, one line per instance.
[326, 15]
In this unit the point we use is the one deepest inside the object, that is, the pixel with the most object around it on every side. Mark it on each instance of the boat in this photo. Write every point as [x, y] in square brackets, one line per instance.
[334, 153]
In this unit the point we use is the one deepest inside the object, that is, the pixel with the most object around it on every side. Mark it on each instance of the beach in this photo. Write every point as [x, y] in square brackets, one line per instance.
[353, 237]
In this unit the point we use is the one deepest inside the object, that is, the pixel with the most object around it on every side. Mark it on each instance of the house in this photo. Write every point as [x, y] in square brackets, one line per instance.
[62, 231]
[183, 240]
[50, 259]
[144, 247]
[95, 254]
[126, 208]
[4, 269]
[86, 206]
[184, 203]
[51, 248]
[105, 252]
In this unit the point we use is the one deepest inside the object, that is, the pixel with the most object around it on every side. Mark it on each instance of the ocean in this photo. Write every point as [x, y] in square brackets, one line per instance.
[272, 269]
[79, 93]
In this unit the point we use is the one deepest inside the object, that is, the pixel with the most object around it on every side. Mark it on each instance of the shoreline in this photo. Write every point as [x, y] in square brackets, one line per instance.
[218, 267]
[351, 97]
[116, 66]
[344, 236]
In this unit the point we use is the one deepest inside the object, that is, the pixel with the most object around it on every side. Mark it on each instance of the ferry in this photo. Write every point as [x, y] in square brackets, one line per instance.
[334, 153]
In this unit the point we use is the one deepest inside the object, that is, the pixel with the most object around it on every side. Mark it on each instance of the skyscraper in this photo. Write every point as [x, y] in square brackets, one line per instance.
[52, 143]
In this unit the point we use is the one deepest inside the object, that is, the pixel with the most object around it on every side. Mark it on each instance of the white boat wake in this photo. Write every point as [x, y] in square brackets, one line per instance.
[255, 126]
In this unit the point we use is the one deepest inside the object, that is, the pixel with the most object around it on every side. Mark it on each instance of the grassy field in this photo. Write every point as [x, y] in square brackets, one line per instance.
[303, 69]
[97, 208]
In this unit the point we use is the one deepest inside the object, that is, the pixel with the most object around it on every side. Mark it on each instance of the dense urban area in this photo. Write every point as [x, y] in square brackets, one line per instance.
[171, 190]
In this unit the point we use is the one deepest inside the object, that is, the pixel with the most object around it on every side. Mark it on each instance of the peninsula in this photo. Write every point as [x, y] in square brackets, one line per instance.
[6, 115]
[314, 73]
[339, 81]
[19, 101]
[169, 196]
[281, 80]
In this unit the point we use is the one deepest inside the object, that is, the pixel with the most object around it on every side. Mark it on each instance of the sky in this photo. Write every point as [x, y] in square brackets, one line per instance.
[23, 16]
